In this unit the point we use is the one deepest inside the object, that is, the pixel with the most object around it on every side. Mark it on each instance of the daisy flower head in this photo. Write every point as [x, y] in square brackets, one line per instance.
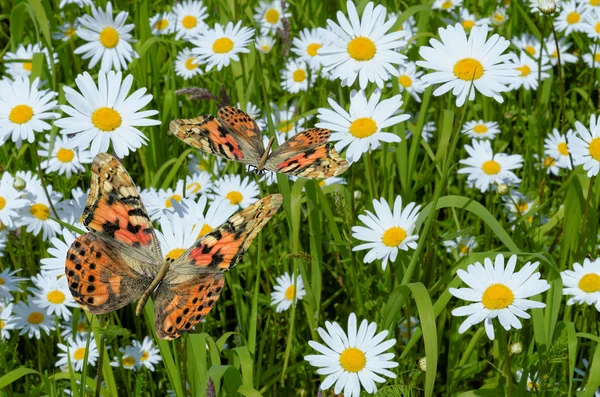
[161, 202]
[295, 77]
[78, 3]
[53, 266]
[219, 46]
[238, 191]
[199, 183]
[176, 235]
[361, 49]
[108, 39]
[186, 64]
[282, 120]
[9, 283]
[409, 27]
[130, 358]
[426, 132]
[463, 245]
[150, 353]
[63, 158]
[582, 283]
[306, 47]
[592, 58]
[585, 147]
[409, 79]
[190, 16]
[24, 110]
[269, 15]
[460, 62]
[7, 321]
[485, 169]
[546, 163]
[66, 32]
[446, 5]
[11, 202]
[517, 205]
[479, 129]
[103, 114]
[572, 17]
[387, 231]
[591, 23]
[287, 291]
[499, 16]
[32, 319]
[36, 214]
[81, 326]
[468, 20]
[20, 62]
[75, 351]
[529, 71]
[563, 48]
[206, 220]
[555, 146]
[163, 23]
[353, 359]
[528, 43]
[498, 292]
[53, 295]
[264, 44]
[361, 129]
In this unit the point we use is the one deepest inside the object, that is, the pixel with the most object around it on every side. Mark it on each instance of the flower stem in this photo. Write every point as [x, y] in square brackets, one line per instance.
[507, 370]
[585, 216]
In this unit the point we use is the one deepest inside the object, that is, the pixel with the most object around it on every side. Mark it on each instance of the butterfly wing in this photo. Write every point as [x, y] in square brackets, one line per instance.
[231, 134]
[308, 155]
[195, 280]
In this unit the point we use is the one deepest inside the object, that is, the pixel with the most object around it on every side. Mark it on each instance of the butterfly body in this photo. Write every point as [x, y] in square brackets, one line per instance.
[234, 135]
[120, 260]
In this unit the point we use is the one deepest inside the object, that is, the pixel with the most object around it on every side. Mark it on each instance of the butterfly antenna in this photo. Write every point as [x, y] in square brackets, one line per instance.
[162, 272]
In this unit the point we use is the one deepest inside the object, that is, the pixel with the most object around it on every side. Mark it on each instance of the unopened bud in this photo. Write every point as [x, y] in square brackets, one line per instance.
[423, 364]
[357, 194]
[503, 189]
[547, 6]
[19, 183]
[516, 348]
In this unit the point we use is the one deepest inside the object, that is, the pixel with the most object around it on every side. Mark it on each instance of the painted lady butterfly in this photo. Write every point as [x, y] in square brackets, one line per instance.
[119, 260]
[234, 135]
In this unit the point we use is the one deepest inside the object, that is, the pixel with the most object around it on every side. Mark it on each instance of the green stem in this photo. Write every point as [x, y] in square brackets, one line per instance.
[507, 370]
[585, 216]
[371, 175]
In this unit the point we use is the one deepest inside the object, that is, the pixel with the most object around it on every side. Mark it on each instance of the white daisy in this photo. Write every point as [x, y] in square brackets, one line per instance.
[269, 15]
[306, 47]
[150, 353]
[72, 209]
[463, 245]
[286, 292]
[36, 215]
[499, 16]
[295, 77]
[53, 295]
[23, 57]
[163, 23]
[583, 283]
[387, 231]
[31, 319]
[592, 59]
[190, 16]
[484, 168]
[481, 129]
[186, 64]
[468, 20]
[426, 132]
[498, 292]
[459, 62]
[103, 114]
[7, 321]
[563, 47]
[354, 359]
[585, 146]
[199, 183]
[176, 235]
[264, 44]
[81, 326]
[571, 18]
[130, 358]
[66, 31]
[517, 205]
[9, 283]
[219, 46]
[547, 163]
[75, 351]
[206, 220]
[11, 202]
[446, 5]
[24, 109]
[63, 159]
[160, 203]
[528, 43]
[54, 265]
[334, 180]
[529, 71]
[30, 182]
[285, 120]
[79, 3]
[242, 192]
[409, 79]
[409, 27]
[108, 39]
[361, 129]
[555, 146]
[361, 48]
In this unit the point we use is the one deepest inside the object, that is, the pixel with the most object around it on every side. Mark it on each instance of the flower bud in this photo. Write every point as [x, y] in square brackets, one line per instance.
[19, 183]
[516, 348]
[423, 364]
[547, 6]
[503, 189]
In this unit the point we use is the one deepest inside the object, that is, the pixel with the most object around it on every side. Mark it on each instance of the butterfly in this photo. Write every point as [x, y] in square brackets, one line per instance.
[234, 135]
[120, 260]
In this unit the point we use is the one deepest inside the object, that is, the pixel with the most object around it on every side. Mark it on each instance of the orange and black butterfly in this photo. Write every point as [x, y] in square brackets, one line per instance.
[234, 135]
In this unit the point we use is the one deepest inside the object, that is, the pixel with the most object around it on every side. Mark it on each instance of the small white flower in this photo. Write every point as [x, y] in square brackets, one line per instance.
[585, 146]
[150, 353]
[282, 120]
[54, 265]
[36, 215]
[190, 16]
[205, 220]
[24, 65]
[242, 192]
[463, 245]
[583, 283]
[481, 129]
[307, 46]
[409, 79]
[63, 159]
[53, 295]
[186, 64]
[571, 18]
[11, 202]
[130, 358]
[7, 321]
[66, 32]
[563, 46]
[163, 23]
[468, 20]
[529, 71]
[264, 44]
[31, 319]
[592, 58]
[446, 5]
[160, 203]
[529, 43]
[555, 146]
[219, 46]
[295, 77]
[176, 236]
[285, 292]
[75, 351]
[499, 17]
[9, 283]
[269, 15]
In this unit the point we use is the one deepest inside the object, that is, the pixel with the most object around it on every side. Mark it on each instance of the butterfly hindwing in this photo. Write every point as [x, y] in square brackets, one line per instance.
[307, 154]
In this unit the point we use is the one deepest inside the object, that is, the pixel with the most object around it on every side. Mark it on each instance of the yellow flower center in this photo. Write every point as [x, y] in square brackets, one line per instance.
[393, 236]
[2, 324]
[40, 211]
[222, 45]
[266, 48]
[272, 16]
[554, 54]
[109, 37]
[522, 208]
[169, 203]
[525, 70]
[497, 296]
[286, 126]
[299, 76]
[353, 360]
[468, 69]
[194, 187]
[129, 361]
[106, 119]
[590, 283]
[235, 197]
[79, 354]
[174, 254]
[65, 155]
[161, 24]
[313, 48]
[56, 297]
[189, 21]
[446, 5]
[491, 167]
[2, 205]
[595, 149]
[549, 161]
[206, 228]
[362, 48]
[363, 127]
[562, 148]
[463, 249]
[498, 17]
[597, 57]
[1, 281]
[480, 129]
[145, 356]
[21, 114]
[27, 66]
[35, 318]
[573, 17]
[468, 23]
[322, 183]
[289, 293]
[530, 50]
[70, 32]
[191, 63]
[595, 3]
[82, 327]
[405, 81]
